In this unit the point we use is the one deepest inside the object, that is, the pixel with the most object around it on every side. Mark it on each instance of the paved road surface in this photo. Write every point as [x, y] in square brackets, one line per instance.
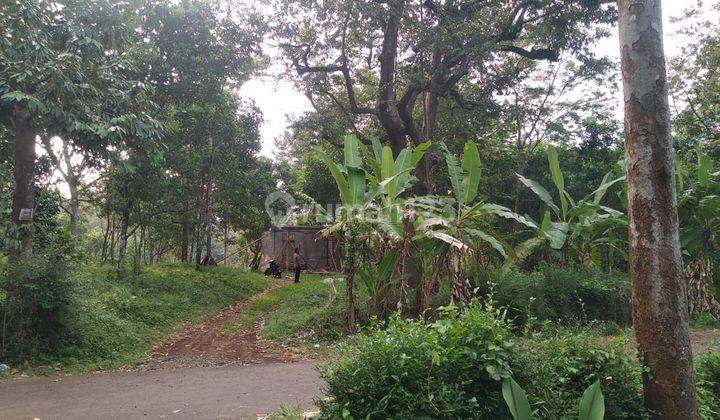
[228, 392]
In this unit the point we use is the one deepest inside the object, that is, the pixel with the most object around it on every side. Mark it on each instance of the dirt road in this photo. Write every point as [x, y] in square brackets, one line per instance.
[229, 392]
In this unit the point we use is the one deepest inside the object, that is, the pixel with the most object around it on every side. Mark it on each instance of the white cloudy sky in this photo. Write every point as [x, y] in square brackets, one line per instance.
[280, 102]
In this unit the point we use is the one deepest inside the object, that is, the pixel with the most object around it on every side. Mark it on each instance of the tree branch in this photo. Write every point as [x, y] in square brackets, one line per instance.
[533, 54]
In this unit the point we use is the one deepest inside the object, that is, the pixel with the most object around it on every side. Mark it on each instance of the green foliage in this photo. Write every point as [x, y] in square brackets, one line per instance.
[556, 370]
[707, 378]
[592, 403]
[453, 368]
[286, 413]
[571, 295]
[108, 324]
[448, 369]
[516, 400]
[585, 224]
[35, 302]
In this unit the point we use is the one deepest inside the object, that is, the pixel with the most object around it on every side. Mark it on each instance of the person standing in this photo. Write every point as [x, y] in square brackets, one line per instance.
[296, 261]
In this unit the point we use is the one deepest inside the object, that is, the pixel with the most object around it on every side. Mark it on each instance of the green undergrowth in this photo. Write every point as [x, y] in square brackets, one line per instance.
[312, 310]
[112, 322]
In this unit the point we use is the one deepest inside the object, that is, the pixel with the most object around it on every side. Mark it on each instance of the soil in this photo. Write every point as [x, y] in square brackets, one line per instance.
[206, 344]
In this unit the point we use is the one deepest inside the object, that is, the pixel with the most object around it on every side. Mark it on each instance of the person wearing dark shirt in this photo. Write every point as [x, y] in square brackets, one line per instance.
[296, 261]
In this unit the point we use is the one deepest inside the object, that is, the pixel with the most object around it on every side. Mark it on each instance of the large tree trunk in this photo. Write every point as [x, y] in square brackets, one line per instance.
[660, 315]
[387, 107]
[24, 174]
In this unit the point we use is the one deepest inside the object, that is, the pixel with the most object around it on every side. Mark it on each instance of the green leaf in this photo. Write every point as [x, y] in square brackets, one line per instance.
[356, 185]
[606, 183]
[540, 191]
[471, 171]
[377, 149]
[419, 151]
[516, 400]
[704, 167]
[557, 178]
[505, 212]
[455, 173]
[352, 152]
[337, 173]
[489, 239]
[592, 404]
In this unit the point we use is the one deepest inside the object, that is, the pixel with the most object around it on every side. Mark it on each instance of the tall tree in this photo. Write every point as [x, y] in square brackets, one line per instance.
[660, 315]
[63, 71]
[394, 61]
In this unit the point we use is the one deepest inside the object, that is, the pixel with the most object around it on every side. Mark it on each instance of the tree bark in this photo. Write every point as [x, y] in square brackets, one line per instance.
[660, 315]
[349, 269]
[208, 203]
[387, 106]
[24, 174]
[226, 240]
[74, 207]
[198, 247]
[122, 241]
[185, 239]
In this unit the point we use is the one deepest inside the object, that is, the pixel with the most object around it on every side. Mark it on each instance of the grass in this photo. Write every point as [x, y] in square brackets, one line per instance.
[310, 310]
[112, 323]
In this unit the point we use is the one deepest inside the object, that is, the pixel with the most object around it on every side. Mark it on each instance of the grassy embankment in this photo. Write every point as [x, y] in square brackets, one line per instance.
[112, 323]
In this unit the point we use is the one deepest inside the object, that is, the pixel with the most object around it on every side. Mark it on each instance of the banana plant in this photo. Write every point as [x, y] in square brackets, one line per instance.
[356, 198]
[699, 214]
[370, 199]
[463, 222]
[585, 223]
[592, 403]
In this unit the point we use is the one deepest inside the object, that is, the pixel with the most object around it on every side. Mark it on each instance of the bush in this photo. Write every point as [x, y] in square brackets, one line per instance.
[448, 369]
[707, 376]
[453, 368]
[554, 371]
[35, 302]
[568, 295]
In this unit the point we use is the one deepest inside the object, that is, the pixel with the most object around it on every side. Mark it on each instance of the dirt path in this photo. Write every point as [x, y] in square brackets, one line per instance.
[199, 372]
[206, 344]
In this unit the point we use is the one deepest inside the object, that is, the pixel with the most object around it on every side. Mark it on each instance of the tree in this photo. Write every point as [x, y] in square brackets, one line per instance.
[64, 71]
[394, 61]
[660, 315]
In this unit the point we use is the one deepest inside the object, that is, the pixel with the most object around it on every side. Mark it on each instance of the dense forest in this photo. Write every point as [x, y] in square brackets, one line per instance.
[463, 153]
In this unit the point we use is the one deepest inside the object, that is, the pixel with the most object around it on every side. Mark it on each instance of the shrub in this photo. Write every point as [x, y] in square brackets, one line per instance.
[452, 369]
[569, 295]
[555, 370]
[448, 369]
[35, 304]
[707, 376]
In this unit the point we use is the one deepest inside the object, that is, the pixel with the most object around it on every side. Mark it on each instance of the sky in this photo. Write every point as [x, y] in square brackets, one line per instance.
[280, 102]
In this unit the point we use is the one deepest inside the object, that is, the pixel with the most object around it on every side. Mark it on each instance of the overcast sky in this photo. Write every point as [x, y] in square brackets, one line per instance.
[280, 102]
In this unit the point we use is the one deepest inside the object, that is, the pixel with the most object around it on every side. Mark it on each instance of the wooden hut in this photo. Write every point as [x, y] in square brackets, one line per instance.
[319, 254]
